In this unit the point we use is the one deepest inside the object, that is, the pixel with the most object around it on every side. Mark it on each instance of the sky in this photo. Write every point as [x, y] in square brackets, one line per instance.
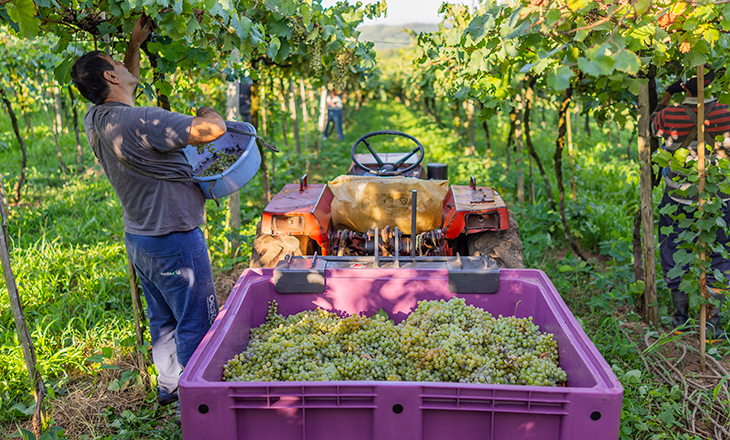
[404, 11]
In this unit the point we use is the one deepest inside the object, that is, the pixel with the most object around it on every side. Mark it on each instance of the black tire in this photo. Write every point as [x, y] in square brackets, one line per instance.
[504, 247]
[268, 249]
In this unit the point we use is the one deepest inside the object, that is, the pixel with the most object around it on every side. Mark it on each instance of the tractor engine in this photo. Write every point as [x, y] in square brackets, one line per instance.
[389, 241]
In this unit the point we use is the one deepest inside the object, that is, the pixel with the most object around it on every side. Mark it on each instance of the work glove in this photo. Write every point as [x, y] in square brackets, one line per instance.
[692, 82]
[675, 87]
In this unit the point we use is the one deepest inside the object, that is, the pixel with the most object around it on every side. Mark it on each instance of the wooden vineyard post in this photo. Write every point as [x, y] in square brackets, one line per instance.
[471, 121]
[527, 123]
[75, 121]
[529, 101]
[570, 152]
[511, 137]
[23, 150]
[139, 317]
[532, 182]
[322, 122]
[21, 326]
[44, 97]
[305, 115]
[701, 188]
[558, 161]
[519, 156]
[257, 109]
[262, 100]
[313, 115]
[284, 101]
[294, 111]
[647, 209]
[56, 92]
[233, 219]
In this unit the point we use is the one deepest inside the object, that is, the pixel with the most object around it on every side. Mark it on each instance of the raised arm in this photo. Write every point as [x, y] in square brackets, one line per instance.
[141, 31]
[208, 125]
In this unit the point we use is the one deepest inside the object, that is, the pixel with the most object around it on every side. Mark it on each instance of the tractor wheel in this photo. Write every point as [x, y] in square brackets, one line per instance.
[268, 249]
[504, 247]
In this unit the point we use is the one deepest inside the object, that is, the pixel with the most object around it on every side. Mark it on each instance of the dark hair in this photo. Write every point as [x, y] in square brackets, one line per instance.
[87, 74]
[692, 82]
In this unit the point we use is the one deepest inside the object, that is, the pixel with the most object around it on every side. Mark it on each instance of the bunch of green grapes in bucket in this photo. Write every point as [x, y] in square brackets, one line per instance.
[222, 160]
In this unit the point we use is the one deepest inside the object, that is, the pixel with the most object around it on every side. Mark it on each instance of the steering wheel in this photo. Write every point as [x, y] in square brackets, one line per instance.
[386, 168]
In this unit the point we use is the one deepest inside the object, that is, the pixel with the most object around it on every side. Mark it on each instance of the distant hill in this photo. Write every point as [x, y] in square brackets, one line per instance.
[393, 37]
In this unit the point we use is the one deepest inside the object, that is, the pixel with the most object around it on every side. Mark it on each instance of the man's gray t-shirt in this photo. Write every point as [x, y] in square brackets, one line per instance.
[152, 138]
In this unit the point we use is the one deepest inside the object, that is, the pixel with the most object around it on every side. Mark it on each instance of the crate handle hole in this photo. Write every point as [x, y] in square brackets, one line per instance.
[397, 408]
[595, 415]
[203, 409]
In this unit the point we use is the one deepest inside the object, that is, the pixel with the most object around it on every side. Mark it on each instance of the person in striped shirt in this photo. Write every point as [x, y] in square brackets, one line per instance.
[676, 124]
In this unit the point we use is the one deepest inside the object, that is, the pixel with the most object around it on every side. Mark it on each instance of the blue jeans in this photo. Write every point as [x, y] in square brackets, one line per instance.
[177, 281]
[334, 117]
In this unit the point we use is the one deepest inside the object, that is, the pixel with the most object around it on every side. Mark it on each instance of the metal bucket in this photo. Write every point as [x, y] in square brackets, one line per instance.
[235, 176]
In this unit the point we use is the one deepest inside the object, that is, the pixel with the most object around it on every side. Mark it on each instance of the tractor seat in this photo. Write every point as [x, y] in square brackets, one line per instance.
[362, 202]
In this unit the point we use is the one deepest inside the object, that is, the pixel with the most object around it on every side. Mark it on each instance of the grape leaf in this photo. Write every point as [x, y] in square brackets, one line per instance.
[273, 48]
[578, 4]
[4, 17]
[663, 158]
[463, 92]
[642, 6]
[560, 78]
[193, 26]
[328, 30]
[594, 68]
[626, 61]
[280, 28]
[239, 28]
[694, 58]
[253, 34]
[479, 61]
[23, 12]
[105, 28]
[306, 14]
[477, 28]
[62, 72]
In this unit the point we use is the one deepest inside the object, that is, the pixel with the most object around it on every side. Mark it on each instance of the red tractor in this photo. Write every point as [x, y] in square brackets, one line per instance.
[388, 204]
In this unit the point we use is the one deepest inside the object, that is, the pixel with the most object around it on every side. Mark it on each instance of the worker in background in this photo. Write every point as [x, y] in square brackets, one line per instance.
[140, 149]
[334, 114]
[677, 126]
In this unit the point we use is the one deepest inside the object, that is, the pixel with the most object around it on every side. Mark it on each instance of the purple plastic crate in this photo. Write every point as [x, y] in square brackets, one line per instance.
[588, 407]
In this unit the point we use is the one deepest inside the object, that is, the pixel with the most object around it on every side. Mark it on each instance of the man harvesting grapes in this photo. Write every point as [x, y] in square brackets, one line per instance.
[140, 149]
[677, 125]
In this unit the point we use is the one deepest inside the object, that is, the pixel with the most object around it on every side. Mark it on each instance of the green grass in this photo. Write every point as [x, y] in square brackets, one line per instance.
[70, 264]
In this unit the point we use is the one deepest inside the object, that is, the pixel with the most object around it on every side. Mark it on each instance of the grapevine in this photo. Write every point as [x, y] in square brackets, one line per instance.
[439, 342]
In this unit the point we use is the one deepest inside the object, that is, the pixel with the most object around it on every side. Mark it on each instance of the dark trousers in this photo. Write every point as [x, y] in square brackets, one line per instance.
[668, 245]
[177, 281]
[334, 117]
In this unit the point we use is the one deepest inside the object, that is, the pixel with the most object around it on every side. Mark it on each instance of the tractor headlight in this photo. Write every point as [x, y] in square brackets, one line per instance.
[287, 223]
